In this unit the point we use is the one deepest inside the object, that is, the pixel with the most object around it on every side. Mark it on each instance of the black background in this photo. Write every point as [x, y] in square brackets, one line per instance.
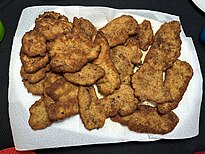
[193, 21]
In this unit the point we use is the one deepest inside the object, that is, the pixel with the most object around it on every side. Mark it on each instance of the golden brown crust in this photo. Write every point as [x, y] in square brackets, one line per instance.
[38, 115]
[34, 77]
[119, 29]
[111, 80]
[35, 88]
[148, 85]
[124, 101]
[34, 44]
[65, 96]
[69, 53]
[147, 120]
[124, 58]
[166, 46]
[52, 25]
[33, 64]
[91, 112]
[88, 75]
[176, 80]
[84, 27]
[144, 36]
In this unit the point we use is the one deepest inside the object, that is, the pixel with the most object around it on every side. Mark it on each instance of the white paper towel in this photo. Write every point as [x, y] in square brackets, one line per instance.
[71, 132]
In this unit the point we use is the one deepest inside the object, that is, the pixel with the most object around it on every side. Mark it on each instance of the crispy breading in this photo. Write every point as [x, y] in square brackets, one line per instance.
[91, 112]
[34, 44]
[176, 80]
[65, 96]
[124, 100]
[35, 88]
[166, 46]
[88, 75]
[147, 120]
[124, 58]
[111, 80]
[50, 78]
[34, 77]
[148, 85]
[38, 115]
[52, 24]
[144, 36]
[119, 29]
[84, 27]
[33, 64]
[69, 53]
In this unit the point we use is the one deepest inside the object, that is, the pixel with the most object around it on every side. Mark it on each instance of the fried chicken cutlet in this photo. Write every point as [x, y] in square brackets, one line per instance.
[177, 79]
[38, 115]
[147, 120]
[69, 53]
[111, 80]
[148, 85]
[33, 44]
[52, 25]
[166, 46]
[88, 75]
[119, 29]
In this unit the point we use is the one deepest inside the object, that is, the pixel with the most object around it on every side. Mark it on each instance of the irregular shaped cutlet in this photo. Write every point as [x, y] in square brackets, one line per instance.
[176, 80]
[111, 80]
[144, 36]
[84, 27]
[33, 64]
[88, 75]
[34, 44]
[124, 58]
[65, 96]
[69, 53]
[124, 101]
[147, 120]
[38, 115]
[52, 25]
[148, 85]
[166, 46]
[34, 77]
[91, 112]
[119, 29]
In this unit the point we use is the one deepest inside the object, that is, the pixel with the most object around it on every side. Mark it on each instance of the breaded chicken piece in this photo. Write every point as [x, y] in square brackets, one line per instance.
[147, 120]
[177, 79]
[84, 27]
[38, 115]
[32, 65]
[119, 29]
[124, 100]
[124, 58]
[88, 75]
[65, 96]
[52, 24]
[33, 44]
[144, 36]
[91, 112]
[166, 46]
[148, 85]
[69, 53]
[34, 77]
[111, 80]
[35, 88]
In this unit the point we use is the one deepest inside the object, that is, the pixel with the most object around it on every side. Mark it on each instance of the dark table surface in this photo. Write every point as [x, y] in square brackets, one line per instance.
[192, 19]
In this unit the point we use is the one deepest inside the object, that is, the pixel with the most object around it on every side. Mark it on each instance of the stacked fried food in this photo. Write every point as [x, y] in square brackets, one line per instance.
[69, 63]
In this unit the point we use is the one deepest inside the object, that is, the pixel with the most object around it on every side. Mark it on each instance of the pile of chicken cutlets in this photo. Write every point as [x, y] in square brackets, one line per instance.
[63, 60]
